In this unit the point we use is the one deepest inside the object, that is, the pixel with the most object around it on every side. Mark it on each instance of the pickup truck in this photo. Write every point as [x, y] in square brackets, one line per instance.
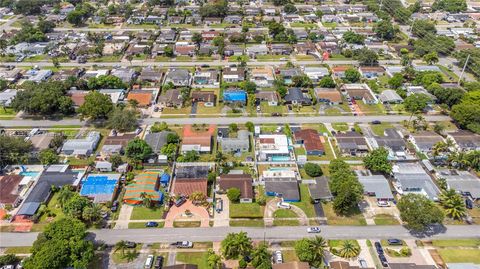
[183, 244]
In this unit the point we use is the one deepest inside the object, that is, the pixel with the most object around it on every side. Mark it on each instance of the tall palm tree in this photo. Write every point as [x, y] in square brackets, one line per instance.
[64, 195]
[214, 261]
[318, 245]
[261, 256]
[121, 245]
[131, 255]
[146, 199]
[236, 244]
[349, 249]
[197, 197]
[453, 204]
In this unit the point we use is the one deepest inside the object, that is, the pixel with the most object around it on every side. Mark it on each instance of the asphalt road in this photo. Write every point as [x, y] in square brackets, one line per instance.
[271, 234]
[228, 120]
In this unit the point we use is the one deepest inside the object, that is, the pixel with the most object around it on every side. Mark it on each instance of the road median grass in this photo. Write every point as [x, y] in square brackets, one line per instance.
[247, 223]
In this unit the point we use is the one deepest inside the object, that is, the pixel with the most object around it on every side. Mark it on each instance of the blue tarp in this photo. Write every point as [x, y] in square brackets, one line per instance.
[165, 178]
[234, 96]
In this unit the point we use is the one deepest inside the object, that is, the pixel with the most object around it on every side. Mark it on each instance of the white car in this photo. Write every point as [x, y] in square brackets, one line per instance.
[277, 256]
[313, 230]
[283, 205]
[383, 204]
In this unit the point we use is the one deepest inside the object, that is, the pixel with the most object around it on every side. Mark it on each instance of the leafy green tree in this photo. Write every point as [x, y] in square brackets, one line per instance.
[123, 119]
[62, 244]
[353, 38]
[418, 212]
[377, 161]
[349, 249]
[235, 245]
[385, 30]
[467, 112]
[214, 261]
[233, 195]
[96, 106]
[431, 58]
[75, 205]
[45, 26]
[453, 204]
[250, 126]
[8, 259]
[105, 82]
[14, 150]
[121, 246]
[289, 8]
[349, 194]
[197, 38]
[448, 96]
[190, 156]
[327, 82]
[233, 127]
[313, 169]
[138, 150]
[366, 56]
[217, 8]
[116, 160]
[48, 156]
[352, 75]
[249, 87]
[311, 250]
[452, 6]
[396, 81]
[76, 17]
[416, 103]
[420, 28]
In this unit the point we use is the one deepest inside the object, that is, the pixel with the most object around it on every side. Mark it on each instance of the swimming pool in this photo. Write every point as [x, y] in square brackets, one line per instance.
[280, 158]
[29, 173]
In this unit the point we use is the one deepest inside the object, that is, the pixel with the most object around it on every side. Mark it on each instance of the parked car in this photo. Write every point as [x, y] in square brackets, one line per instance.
[383, 203]
[363, 263]
[114, 206]
[149, 262]
[158, 264]
[180, 201]
[314, 230]
[468, 203]
[383, 260]
[394, 242]
[378, 247]
[151, 224]
[283, 205]
[219, 205]
[183, 244]
[276, 114]
[277, 256]
[130, 244]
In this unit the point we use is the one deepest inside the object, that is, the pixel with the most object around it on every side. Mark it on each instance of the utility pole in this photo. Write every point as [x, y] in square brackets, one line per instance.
[463, 70]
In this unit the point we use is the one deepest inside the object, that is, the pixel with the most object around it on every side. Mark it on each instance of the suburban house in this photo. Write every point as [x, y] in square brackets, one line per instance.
[281, 49]
[157, 140]
[273, 147]
[233, 50]
[288, 74]
[206, 78]
[184, 49]
[296, 96]
[233, 74]
[286, 188]
[125, 74]
[359, 92]
[199, 141]
[262, 77]
[465, 140]
[81, 146]
[241, 143]
[339, 71]
[330, 96]
[171, 98]
[116, 95]
[320, 191]
[316, 73]
[144, 98]
[420, 90]
[371, 71]
[10, 189]
[271, 97]
[412, 178]
[243, 182]
[255, 50]
[235, 96]
[352, 144]
[101, 188]
[115, 144]
[190, 179]
[310, 139]
[463, 182]
[425, 141]
[377, 186]
[146, 183]
[208, 98]
[390, 97]
[151, 75]
[305, 48]
[393, 141]
[179, 77]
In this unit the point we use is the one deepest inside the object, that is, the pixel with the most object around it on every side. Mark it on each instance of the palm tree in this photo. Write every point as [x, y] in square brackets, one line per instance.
[197, 197]
[121, 245]
[236, 244]
[318, 246]
[349, 249]
[439, 148]
[261, 256]
[131, 255]
[146, 199]
[214, 261]
[453, 204]
[64, 195]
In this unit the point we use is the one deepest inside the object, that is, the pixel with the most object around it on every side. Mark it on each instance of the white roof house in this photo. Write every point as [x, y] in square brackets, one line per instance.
[273, 147]
[82, 146]
[390, 96]
[316, 73]
[7, 96]
[412, 178]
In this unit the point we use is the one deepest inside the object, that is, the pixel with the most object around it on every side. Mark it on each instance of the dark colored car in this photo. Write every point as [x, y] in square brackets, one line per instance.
[379, 248]
[395, 242]
[468, 203]
[114, 206]
[158, 264]
[151, 224]
[376, 122]
[276, 114]
[180, 201]
[130, 244]
[383, 260]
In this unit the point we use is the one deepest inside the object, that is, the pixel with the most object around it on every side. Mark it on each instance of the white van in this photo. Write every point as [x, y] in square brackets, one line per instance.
[149, 262]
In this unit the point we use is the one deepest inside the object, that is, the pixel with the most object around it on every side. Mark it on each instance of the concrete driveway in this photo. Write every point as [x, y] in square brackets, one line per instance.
[124, 217]
[419, 256]
[198, 213]
[222, 218]
[271, 207]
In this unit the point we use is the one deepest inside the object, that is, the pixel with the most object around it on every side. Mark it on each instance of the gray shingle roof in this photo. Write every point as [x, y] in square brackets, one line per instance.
[376, 184]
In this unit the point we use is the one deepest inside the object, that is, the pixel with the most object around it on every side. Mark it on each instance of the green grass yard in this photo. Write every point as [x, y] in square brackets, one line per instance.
[144, 213]
[284, 213]
[385, 219]
[379, 129]
[305, 203]
[198, 258]
[285, 222]
[340, 126]
[457, 243]
[450, 255]
[247, 223]
[334, 219]
[141, 225]
[246, 210]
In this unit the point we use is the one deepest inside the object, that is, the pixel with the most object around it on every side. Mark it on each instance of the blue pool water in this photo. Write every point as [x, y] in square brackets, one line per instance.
[29, 174]
[280, 158]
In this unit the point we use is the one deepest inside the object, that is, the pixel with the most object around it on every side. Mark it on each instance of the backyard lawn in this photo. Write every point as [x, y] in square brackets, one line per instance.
[144, 213]
[452, 255]
[340, 126]
[198, 258]
[334, 219]
[250, 210]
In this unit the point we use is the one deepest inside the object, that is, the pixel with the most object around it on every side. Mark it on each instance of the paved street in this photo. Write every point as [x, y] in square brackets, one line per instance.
[274, 233]
[238, 120]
